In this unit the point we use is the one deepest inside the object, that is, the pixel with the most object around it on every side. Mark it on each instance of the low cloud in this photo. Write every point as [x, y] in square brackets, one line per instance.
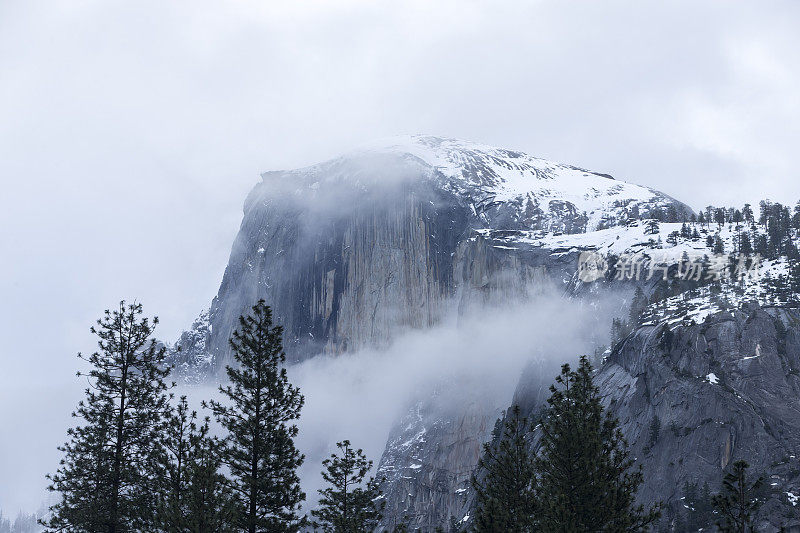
[477, 356]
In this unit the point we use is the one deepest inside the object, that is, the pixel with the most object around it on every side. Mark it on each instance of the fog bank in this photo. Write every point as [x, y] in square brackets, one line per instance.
[479, 356]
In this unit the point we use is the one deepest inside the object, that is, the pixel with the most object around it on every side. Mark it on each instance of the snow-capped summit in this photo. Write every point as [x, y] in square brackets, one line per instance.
[521, 191]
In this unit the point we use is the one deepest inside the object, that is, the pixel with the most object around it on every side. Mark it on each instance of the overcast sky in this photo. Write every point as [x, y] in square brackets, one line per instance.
[130, 133]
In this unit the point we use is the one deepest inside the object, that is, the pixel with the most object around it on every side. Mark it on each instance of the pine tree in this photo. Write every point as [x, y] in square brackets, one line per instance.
[586, 478]
[211, 505]
[719, 246]
[259, 417]
[638, 305]
[764, 208]
[505, 484]
[747, 213]
[738, 501]
[796, 216]
[794, 279]
[348, 505]
[673, 237]
[196, 498]
[108, 476]
[761, 245]
[745, 247]
[180, 429]
[619, 330]
[790, 250]
[654, 432]
[719, 216]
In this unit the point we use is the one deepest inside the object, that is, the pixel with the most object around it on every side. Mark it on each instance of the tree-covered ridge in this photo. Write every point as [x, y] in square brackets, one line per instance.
[730, 258]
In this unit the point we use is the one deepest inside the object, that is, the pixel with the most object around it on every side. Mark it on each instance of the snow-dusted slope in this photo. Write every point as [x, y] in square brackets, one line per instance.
[635, 242]
[526, 191]
[633, 239]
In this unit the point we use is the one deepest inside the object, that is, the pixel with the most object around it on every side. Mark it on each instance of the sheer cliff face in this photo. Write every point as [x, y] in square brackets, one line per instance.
[343, 261]
[429, 460]
[720, 391]
[351, 251]
[725, 390]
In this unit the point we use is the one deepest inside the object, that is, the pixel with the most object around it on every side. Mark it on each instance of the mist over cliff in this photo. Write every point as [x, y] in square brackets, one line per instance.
[392, 236]
[477, 356]
[415, 279]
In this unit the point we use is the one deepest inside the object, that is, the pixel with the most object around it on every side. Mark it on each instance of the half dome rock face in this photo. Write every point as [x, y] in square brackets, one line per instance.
[350, 251]
[344, 252]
